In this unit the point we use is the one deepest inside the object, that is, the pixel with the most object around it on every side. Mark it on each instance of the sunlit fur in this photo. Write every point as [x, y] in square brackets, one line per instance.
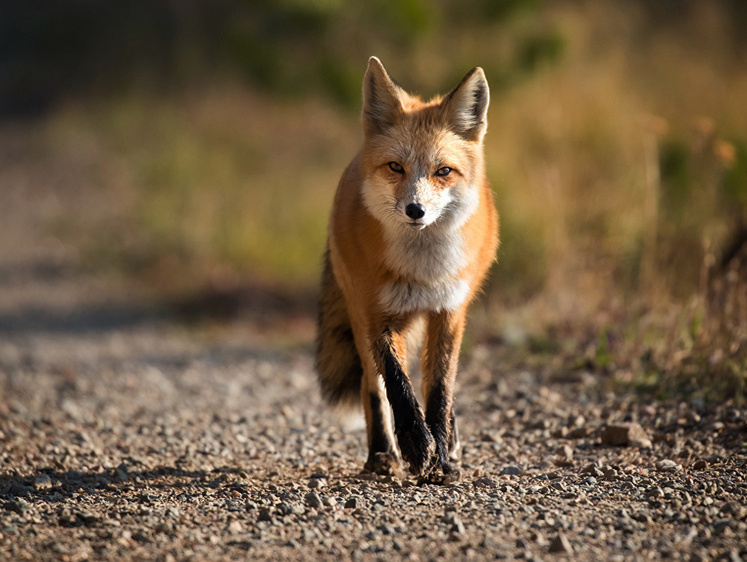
[392, 270]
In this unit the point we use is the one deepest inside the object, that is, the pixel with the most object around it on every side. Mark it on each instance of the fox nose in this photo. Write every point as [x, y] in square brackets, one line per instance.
[415, 211]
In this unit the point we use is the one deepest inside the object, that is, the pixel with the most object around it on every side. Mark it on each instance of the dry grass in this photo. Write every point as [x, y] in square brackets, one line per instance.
[620, 173]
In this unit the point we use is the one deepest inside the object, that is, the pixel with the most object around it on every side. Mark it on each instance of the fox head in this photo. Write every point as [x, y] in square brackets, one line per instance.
[422, 161]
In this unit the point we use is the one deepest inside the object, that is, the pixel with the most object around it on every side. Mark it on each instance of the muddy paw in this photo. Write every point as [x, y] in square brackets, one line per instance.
[386, 464]
[418, 449]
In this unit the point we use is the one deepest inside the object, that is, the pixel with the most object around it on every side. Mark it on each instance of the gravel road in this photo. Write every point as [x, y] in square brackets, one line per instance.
[127, 435]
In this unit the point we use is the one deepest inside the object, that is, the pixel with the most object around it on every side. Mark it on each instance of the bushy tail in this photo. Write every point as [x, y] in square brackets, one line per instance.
[337, 361]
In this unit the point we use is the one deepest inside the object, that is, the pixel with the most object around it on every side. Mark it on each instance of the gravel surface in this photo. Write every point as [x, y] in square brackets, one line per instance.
[124, 435]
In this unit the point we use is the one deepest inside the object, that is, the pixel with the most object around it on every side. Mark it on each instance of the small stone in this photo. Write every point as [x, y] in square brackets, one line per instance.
[313, 500]
[564, 456]
[450, 516]
[610, 474]
[641, 516]
[283, 509]
[578, 432]
[264, 515]
[352, 503]
[387, 529]
[625, 435]
[457, 530]
[723, 526]
[654, 492]
[576, 420]
[316, 483]
[19, 490]
[700, 464]
[538, 538]
[121, 473]
[564, 453]
[560, 544]
[18, 505]
[88, 517]
[511, 470]
[592, 470]
[42, 482]
[668, 465]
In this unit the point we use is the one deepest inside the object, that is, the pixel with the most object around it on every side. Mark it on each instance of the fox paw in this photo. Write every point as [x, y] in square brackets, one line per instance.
[418, 448]
[386, 464]
[442, 474]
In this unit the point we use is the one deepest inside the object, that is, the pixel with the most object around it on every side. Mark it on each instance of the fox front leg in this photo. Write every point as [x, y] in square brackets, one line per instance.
[439, 362]
[416, 444]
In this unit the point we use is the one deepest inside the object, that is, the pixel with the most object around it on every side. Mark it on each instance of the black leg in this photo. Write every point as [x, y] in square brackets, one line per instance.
[415, 441]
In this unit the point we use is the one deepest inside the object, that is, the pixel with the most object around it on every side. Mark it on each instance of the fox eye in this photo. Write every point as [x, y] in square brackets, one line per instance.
[443, 172]
[396, 167]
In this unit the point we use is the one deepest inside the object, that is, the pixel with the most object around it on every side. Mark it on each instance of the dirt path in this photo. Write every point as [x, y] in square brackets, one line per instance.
[126, 436]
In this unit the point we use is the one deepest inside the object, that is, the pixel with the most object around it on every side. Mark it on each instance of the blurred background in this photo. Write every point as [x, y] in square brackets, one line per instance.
[191, 149]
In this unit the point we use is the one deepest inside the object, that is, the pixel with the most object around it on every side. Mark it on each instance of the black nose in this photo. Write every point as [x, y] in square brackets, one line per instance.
[415, 211]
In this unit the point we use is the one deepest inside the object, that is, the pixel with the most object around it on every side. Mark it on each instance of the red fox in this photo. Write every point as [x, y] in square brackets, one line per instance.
[412, 234]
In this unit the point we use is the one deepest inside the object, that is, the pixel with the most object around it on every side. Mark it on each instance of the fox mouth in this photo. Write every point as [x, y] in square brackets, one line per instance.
[416, 225]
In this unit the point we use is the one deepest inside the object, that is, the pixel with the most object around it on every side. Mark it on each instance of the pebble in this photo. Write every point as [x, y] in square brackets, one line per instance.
[302, 495]
[625, 435]
[457, 529]
[700, 464]
[593, 470]
[560, 544]
[511, 470]
[352, 503]
[564, 454]
[18, 505]
[313, 500]
[19, 490]
[668, 465]
[42, 481]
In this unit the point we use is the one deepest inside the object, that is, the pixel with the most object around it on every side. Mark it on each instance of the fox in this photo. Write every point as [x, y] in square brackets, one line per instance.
[412, 235]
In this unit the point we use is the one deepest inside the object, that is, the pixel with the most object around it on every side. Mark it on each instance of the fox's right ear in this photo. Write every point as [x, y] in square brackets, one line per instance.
[381, 98]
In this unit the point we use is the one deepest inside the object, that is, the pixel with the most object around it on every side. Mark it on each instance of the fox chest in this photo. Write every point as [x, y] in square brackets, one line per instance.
[428, 267]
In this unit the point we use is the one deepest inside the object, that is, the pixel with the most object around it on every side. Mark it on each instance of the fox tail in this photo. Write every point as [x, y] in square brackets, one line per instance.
[338, 364]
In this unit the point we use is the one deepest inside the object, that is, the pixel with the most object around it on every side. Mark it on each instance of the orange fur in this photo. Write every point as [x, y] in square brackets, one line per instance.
[388, 265]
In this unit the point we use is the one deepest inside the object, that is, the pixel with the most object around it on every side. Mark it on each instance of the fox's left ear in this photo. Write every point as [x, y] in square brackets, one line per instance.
[467, 105]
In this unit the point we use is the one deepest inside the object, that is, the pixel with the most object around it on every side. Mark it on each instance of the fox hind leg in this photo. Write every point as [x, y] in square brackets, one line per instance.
[383, 457]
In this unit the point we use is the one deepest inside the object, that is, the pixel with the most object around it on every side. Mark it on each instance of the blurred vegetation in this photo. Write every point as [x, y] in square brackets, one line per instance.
[617, 151]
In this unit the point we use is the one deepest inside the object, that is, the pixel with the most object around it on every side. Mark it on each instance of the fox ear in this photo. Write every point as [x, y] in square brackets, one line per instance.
[467, 105]
[381, 98]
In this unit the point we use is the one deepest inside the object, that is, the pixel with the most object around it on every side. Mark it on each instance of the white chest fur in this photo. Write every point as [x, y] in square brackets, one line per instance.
[402, 297]
[428, 262]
